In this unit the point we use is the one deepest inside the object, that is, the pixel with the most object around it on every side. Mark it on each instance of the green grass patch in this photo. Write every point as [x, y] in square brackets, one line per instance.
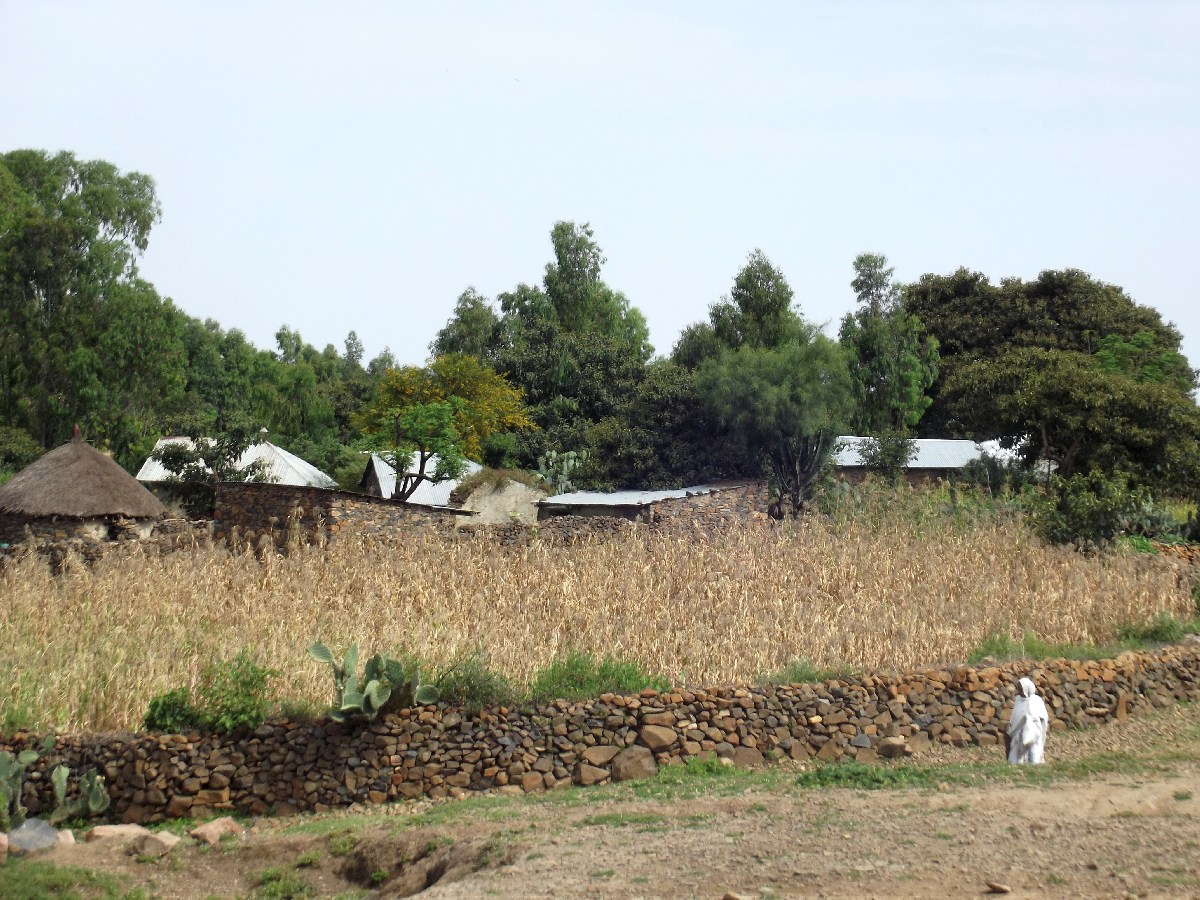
[619, 820]
[280, 884]
[33, 879]
[581, 676]
[1162, 629]
[801, 671]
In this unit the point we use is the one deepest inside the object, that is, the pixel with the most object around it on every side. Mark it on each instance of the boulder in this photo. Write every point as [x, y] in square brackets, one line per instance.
[32, 836]
[210, 832]
[116, 832]
[658, 737]
[632, 763]
[153, 846]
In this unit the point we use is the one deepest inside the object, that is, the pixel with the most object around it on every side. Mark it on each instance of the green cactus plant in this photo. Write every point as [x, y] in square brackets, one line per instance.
[12, 783]
[555, 469]
[91, 800]
[385, 685]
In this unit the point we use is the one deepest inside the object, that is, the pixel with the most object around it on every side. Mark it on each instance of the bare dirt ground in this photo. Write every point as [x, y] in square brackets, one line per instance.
[1117, 813]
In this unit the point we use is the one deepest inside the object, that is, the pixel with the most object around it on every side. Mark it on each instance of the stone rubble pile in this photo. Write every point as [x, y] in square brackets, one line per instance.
[438, 751]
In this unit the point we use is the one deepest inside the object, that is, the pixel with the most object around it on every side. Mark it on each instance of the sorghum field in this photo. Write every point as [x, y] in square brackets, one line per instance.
[88, 649]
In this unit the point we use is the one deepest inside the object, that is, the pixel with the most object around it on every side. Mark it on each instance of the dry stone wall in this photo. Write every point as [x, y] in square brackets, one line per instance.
[274, 512]
[439, 751]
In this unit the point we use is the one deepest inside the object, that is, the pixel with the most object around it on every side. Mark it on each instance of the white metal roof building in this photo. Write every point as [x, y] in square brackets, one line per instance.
[381, 476]
[930, 453]
[282, 467]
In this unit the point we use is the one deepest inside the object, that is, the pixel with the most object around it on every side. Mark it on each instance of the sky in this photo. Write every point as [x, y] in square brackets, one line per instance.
[356, 166]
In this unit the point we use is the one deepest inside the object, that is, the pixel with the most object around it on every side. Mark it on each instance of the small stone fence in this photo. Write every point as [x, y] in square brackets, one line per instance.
[438, 751]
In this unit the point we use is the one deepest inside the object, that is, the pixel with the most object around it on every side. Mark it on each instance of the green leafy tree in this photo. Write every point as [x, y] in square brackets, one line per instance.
[786, 404]
[425, 436]
[197, 465]
[893, 363]
[473, 328]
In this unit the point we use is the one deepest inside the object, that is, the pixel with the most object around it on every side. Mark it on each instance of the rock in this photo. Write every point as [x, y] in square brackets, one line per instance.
[110, 832]
[633, 762]
[892, 747]
[589, 775]
[3, 848]
[600, 756]
[66, 838]
[995, 887]
[747, 758]
[155, 845]
[532, 781]
[178, 807]
[658, 737]
[33, 836]
[831, 752]
[210, 832]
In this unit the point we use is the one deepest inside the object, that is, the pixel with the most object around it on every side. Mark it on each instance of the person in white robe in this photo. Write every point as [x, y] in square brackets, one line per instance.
[1028, 726]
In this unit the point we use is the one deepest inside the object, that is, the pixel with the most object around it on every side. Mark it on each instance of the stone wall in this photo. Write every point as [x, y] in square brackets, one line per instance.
[254, 512]
[16, 528]
[439, 751]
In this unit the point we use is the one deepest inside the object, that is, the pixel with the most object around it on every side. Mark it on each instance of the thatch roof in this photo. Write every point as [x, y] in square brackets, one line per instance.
[77, 480]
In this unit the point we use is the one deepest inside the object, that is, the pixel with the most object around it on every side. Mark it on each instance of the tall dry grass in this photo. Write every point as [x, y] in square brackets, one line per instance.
[88, 650]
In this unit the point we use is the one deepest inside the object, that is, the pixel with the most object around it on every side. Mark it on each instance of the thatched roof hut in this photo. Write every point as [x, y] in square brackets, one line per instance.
[75, 482]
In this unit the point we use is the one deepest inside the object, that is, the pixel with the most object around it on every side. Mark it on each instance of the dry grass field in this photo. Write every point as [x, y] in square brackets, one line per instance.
[87, 650]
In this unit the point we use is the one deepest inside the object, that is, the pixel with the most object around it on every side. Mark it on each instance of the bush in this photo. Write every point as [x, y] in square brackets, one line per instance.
[173, 713]
[579, 676]
[468, 682]
[231, 695]
[1085, 509]
[1163, 629]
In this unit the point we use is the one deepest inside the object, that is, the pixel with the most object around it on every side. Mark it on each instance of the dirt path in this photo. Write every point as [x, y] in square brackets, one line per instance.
[1119, 814]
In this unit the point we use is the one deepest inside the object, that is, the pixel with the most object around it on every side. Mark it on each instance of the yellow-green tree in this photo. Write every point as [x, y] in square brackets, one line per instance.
[484, 403]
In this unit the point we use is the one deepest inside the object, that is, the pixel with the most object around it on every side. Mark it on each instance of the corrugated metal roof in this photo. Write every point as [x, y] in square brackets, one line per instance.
[931, 453]
[622, 498]
[282, 466]
[427, 493]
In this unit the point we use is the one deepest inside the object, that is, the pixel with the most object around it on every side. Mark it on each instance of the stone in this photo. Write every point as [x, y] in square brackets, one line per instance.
[831, 752]
[995, 887]
[633, 762]
[860, 740]
[115, 832]
[3, 848]
[748, 758]
[532, 781]
[155, 845]
[66, 838]
[589, 775]
[178, 807]
[892, 747]
[866, 755]
[658, 737]
[600, 756]
[33, 836]
[210, 832]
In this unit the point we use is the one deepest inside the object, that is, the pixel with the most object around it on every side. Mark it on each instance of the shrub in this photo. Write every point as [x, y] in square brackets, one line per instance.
[231, 695]
[470, 683]
[1085, 509]
[1163, 629]
[579, 675]
[173, 713]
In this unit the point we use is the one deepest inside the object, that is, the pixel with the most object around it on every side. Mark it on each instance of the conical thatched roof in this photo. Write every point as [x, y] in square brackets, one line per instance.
[77, 480]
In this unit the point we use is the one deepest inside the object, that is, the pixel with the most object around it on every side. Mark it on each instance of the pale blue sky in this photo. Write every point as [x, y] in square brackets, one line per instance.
[357, 165]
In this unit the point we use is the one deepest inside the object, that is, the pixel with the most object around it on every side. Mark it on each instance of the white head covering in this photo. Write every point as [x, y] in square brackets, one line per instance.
[1028, 725]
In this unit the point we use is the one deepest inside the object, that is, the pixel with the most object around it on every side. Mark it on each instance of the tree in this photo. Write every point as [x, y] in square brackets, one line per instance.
[71, 234]
[892, 361]
[1062, 310]
[426, 432]
[787, 404]
[472, 329]
[759, 312]
[482, 402]
[198, 464]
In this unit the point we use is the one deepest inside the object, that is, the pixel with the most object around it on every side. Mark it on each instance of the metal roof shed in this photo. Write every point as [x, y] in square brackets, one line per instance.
[617, 504]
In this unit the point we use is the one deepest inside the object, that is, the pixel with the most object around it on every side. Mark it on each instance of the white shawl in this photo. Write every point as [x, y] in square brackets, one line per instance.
[1028, 726]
